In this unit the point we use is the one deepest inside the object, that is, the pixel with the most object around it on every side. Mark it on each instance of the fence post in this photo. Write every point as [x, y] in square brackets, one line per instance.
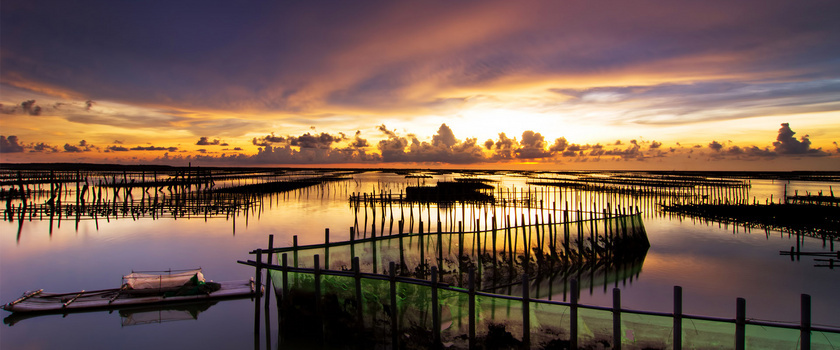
[352, 242]
[471, 281]
[805, 338]
[326, 249]
[677, 317]
[392, 279]
[422, 248]
[317, 277]
[439, 245]
[526, 314]
[295, 250]
[740, 323]
[285, 271]
[616, 319]
[435, 312]
[268, 272]
[357, 276]
[257, 299]
[573, 321]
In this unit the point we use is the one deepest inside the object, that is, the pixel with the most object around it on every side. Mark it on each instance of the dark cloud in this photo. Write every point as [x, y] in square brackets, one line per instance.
[153, 148]
[268, 140]
[43, 147]
[655, 145]
[280, 155]
[631, 152]
[559, 145]
[358, 141]
[444, 137]
[30, 108]
[504, 148]
[385, 131]
[444, 148]
[205, 141]
[532, 146]
[116, 149]
[10, 145]
[321, 141]
[83, 146]
[786, 144]
[715, 146]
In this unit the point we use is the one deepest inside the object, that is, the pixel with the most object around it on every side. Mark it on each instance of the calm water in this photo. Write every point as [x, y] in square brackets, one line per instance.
[714, 264]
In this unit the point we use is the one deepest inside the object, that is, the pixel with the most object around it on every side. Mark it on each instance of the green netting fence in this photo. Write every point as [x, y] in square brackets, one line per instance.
[404, 312]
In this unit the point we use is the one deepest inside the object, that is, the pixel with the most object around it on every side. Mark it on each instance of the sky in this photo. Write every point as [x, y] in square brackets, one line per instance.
[532, 85]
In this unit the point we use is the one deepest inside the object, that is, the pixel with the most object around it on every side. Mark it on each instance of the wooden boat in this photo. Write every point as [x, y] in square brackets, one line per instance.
[138, 289]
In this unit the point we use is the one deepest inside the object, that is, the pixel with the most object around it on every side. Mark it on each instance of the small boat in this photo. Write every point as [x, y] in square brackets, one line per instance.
[138, 289]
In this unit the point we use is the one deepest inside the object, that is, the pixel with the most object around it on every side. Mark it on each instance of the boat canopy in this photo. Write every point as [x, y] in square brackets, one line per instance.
[164, 280]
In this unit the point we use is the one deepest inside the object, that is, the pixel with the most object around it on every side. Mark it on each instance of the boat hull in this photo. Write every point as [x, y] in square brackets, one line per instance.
[110, 299]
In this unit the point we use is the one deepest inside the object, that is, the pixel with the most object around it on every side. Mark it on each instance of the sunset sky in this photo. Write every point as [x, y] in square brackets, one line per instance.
[543, 85]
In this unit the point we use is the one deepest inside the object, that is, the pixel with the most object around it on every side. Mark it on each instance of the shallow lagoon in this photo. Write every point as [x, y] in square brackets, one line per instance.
[714, 264]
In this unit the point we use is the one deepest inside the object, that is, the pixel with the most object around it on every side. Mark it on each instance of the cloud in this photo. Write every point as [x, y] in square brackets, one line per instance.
[30, 108]
[384, 130]
[504, 148]
[116, 149]
[358, 141]
[280, 155]
[444, 148]
[154, 148]
[532, 146]
[321, 141]
[267, 140]
[10, 145]
[715, 146]
[43, 147]
[204, 141]
[444, 137]
[559, 145]
[786, 144]
[83, 146]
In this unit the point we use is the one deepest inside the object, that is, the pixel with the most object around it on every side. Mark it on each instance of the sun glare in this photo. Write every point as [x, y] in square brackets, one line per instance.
[486, 124]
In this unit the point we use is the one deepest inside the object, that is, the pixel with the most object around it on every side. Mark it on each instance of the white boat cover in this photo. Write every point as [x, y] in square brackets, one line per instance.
[137, 280]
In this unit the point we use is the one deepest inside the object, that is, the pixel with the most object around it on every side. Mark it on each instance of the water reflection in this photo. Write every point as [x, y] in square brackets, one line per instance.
[132, 316]
[714, 262]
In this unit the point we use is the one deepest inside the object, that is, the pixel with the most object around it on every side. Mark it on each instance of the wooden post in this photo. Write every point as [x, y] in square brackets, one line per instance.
[392, 279]
[805, 335]
[326, 249]
[268, 272]
[616, 319]
[526, 314]
[317, 277]
[285, 273]
[573, 313]
[352, 242]
[494, 240]
[471, 285]
[677, 317]
[295, 250]
[460, 241]
[740, 323]
[422, 248]
[357, 274]
[257, 299]
[435, 308]
[439, 246]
